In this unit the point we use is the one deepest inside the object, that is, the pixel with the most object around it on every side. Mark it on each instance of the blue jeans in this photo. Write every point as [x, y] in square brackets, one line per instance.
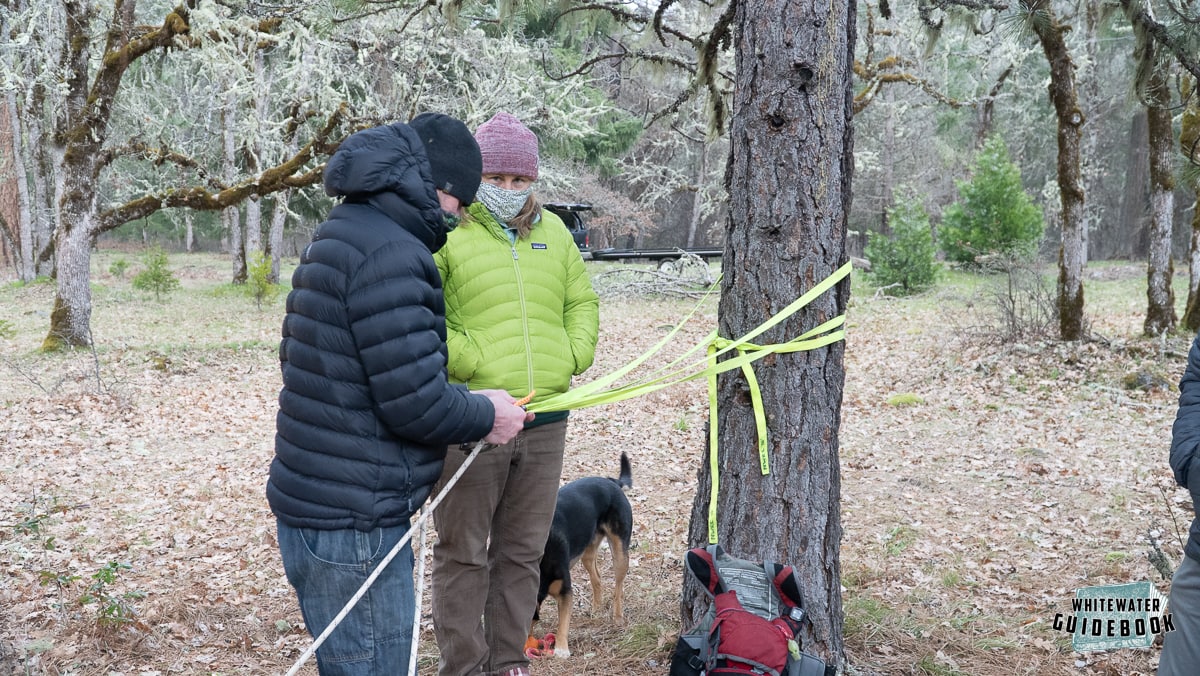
[326, 567]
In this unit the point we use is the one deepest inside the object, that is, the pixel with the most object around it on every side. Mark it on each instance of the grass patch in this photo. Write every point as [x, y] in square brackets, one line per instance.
[900, 538]
[867, 617]
[929, 665]
[905, 399]
[644, 638]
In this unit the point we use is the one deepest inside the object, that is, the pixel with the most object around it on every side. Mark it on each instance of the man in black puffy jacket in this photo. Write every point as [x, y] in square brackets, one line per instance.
[1181, 648]
[366, 411]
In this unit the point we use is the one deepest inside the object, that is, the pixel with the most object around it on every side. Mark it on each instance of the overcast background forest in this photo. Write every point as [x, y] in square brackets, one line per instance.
[612, 96]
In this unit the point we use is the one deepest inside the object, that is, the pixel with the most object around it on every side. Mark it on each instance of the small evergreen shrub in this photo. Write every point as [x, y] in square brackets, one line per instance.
[994, 214]
[118, 268]
[157, 277]
[905, 263]
[258, 280]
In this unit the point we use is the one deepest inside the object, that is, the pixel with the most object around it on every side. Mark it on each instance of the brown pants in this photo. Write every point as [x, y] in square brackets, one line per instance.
[492, 529]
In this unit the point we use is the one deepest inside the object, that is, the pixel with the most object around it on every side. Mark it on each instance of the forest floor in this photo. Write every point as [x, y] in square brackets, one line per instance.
[983, 481]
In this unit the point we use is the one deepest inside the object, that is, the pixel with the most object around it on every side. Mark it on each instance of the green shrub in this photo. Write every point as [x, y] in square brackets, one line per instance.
[258, 279]
[905, 263]
[112, 608]
[118, 268]
[994, 215]
[157, 277]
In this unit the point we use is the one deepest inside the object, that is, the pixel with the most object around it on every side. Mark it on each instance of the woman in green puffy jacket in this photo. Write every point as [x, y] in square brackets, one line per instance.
[521, 316]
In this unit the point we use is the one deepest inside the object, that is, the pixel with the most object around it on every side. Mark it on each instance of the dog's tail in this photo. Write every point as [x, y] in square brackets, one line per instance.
[626, 479]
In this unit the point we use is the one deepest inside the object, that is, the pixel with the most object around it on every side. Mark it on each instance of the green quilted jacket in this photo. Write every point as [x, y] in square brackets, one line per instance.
[519, 316]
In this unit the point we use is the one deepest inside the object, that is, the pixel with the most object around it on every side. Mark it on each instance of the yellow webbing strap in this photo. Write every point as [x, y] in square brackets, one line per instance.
[601, 391]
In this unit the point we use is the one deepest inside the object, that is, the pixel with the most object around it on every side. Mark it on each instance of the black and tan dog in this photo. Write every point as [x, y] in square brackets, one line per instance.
[589, 510]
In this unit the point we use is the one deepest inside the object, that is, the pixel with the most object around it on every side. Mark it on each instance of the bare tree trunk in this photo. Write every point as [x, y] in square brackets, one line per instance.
[254, 228]
[1090, 168]
[697, 197]
[189, 234]
[1132, 222]
[43, 209]
[789, 182]
[10, 177]
[1072, 257]
[1160, 310]
[253, 243]
[1189, 144]
[275, 234]
[231, 216]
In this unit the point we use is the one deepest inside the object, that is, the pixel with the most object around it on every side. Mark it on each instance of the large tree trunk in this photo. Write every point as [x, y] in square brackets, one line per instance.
[789, 182]
[1072, 257]
[70, 320]
[78, 139]
[1160, 270]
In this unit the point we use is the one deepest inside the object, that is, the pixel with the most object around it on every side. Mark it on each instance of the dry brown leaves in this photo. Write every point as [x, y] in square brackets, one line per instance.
[971, 513]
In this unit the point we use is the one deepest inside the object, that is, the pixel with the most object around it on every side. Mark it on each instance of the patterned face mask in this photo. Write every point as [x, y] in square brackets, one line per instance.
[504, 204]
[450, 221]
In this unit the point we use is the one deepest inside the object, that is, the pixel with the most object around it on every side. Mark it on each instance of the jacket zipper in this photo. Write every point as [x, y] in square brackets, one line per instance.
[524, 316]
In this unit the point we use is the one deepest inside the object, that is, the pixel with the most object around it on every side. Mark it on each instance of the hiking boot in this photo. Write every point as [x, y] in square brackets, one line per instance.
[513, 671]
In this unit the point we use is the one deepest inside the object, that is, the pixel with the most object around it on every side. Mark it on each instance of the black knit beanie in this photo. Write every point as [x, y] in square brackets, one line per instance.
[453, 154]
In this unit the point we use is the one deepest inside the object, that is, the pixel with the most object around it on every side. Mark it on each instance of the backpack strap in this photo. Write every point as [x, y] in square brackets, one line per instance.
[702, 564]
[787, 585]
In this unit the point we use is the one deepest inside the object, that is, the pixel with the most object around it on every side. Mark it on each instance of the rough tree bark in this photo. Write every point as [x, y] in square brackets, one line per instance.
[789, 183]
[1160, 269]
[1072, 256]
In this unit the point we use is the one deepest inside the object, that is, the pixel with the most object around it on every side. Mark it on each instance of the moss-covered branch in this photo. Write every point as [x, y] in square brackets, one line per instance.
[289, 174]
[1162, 35]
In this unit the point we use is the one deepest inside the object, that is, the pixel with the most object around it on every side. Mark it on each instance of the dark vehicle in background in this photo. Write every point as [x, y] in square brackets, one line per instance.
[572, 218]
[571, 214]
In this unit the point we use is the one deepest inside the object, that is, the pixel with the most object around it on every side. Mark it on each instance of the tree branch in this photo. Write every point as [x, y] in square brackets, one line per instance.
[272, 180]
[1178, 47]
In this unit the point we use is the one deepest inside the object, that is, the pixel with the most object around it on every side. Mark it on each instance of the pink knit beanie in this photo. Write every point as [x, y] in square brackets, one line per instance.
[508, 147]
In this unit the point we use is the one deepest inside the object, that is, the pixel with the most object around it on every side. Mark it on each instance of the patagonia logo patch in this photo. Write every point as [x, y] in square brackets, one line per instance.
[538, 245]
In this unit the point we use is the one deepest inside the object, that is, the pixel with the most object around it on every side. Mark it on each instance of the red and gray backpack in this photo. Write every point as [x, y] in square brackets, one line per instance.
[753, 624]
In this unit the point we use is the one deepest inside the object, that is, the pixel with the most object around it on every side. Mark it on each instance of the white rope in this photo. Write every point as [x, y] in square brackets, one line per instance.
[416, 630]
[383, 564]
